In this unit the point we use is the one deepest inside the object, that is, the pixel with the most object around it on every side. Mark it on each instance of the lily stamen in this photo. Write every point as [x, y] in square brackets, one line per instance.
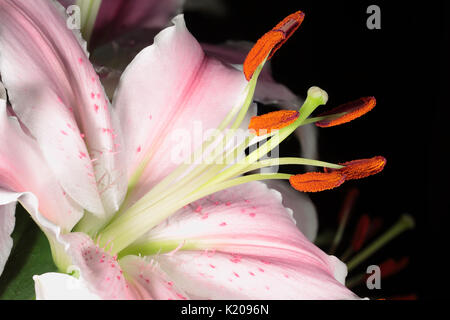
[362, 168]
[317, 181]
[272, 121]
[270, 42]
[349, 111]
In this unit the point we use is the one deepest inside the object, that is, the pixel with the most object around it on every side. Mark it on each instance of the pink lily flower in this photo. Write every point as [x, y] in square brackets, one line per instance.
[100, 181]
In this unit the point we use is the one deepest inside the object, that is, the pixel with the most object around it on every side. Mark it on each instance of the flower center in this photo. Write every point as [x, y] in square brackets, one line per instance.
[191, 182]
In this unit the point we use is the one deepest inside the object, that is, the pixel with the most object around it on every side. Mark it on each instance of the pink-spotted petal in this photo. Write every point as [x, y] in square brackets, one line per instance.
[56, 94]
[101, 272]
[172, 90]
[217, 275]
[24, 169]
[149, 281]
[250, 222]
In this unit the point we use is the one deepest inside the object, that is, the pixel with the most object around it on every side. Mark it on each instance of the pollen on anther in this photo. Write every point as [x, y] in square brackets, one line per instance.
[317, 181]
[276, 120]
[350, 110]
[270, 42]
[358, 169]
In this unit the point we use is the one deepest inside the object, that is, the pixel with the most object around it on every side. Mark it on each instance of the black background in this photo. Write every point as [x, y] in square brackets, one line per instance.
[405, 66]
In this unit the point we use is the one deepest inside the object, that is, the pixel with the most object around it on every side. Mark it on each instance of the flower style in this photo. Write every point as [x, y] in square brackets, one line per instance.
[99, 180]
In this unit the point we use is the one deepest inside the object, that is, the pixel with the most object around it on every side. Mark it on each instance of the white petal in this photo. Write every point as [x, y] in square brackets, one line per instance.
[60, 286]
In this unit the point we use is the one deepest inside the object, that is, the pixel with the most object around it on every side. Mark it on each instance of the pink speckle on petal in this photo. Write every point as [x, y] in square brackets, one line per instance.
[181, 296]
[252, 214]
[251, 273]
[80, 60]
[235, 258]
[228, 204]
[236, 275]
[261, 270]
[139, 149]
[63, 132]
[223, 224]
[92, 95]
[96, 107]
[198, 209]
[82, 155]
[212, 266]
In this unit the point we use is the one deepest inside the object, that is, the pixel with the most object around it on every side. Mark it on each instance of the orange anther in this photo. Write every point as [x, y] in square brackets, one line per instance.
[353, 110]
[270, 42]
[317, 181]
[264, 124]
[358, 169]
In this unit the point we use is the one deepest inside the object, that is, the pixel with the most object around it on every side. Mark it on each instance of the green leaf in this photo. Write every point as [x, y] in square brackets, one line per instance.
[30, 256]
